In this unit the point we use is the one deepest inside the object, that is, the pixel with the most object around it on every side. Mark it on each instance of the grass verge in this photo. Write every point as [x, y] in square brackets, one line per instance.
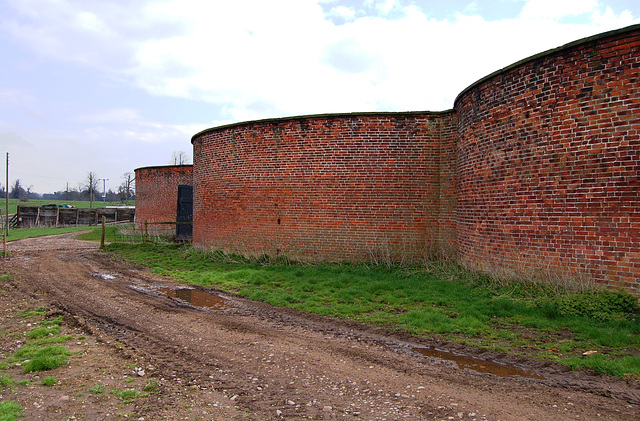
[543, 321]
[21, 233]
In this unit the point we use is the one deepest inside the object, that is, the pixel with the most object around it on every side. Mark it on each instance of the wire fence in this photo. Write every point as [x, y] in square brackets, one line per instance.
[143, 232]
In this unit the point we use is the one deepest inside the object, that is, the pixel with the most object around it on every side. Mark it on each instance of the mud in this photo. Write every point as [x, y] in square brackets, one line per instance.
[465, 362]
[261, 362]
[204, 299]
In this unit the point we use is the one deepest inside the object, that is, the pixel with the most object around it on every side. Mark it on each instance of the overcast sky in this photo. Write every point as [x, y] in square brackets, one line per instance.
[109, 86]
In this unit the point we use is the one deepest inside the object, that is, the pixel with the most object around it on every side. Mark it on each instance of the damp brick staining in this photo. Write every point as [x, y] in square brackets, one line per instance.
[156, 195]
[534, 172]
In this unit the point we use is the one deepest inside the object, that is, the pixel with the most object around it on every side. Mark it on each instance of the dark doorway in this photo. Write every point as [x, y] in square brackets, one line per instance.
[184, 218]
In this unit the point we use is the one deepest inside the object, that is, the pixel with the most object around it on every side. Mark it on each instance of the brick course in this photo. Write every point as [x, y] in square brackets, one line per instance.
[157, 195]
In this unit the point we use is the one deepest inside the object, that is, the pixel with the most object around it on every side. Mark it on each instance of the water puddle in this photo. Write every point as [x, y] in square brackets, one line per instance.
[104, 276]
[479, 365]
[198, 298]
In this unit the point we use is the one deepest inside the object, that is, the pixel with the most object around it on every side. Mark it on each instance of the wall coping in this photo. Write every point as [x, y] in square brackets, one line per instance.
[547, 53]
[318, 116]
[163, 166]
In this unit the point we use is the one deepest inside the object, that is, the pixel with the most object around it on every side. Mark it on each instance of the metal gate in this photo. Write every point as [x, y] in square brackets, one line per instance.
[184, 218]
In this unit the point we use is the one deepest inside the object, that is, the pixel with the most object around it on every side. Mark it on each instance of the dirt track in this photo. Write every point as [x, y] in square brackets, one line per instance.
[254, 361]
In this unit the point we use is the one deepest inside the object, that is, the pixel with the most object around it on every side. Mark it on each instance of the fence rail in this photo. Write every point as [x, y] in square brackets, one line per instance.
[54, 216]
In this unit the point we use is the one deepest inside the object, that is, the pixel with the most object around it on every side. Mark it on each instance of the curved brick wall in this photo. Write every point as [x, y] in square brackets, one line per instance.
[535, 172]
[333, 187]
[157, 195]
[548, 164]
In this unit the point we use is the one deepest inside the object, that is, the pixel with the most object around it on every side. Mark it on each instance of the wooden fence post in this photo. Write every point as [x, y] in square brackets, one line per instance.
[104, 225]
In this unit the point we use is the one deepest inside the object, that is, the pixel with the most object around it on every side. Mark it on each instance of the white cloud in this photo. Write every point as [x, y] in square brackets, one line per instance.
[259, 59]
[343, 12]
[556, 9]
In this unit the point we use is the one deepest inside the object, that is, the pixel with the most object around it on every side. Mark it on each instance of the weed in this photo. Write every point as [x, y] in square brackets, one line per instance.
[49, 381]
[24, 382]
[10, 411]
[42, 332]
[151, 385]
[27, 314]
[128, 395]
[6, 382]
[55, 322]
[42, 358]
[97, 389]
[603, 305]
[130, 380]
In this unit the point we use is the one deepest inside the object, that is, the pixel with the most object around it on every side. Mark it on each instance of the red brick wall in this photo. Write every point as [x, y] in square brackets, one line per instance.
[535, 172]
[548, 164]
[334, 187]
[157, 195]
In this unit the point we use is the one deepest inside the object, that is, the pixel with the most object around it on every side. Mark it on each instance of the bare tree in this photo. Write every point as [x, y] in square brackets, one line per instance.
[91, 186]
[127, 187]
[180, 158]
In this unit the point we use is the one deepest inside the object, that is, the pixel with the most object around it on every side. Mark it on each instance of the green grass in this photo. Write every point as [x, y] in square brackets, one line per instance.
[42, 351]
[151, 385]
[42, 358]
[6, 382]
[49, 381]
[110, 234]
[10, 411]
[22, 233]
[97, 389]
[440, 299]
[128, 395]
[41, 332]
[27, 314]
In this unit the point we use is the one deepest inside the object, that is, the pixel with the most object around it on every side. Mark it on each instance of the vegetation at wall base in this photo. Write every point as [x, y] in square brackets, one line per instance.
[544, 321]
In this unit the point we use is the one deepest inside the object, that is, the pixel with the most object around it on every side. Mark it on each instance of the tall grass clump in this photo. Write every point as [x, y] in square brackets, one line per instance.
[10, 411]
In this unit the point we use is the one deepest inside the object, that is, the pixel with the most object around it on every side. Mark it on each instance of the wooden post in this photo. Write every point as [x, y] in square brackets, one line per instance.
[57, 215]
[104, 227]
[4, 235]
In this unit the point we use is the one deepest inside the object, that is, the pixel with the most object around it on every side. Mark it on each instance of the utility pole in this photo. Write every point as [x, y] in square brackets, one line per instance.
[7, 199]
[104, 191]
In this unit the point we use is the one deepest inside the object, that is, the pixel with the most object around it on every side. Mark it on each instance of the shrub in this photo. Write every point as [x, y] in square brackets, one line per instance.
[600, 305]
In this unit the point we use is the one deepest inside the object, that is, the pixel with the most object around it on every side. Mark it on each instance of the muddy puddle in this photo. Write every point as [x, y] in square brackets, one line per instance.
[198, 298]
[104, 276]
[478, 365]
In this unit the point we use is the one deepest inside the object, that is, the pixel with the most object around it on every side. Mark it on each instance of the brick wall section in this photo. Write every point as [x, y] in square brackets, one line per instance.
[334, 187]
[548, 164]
[157, 195]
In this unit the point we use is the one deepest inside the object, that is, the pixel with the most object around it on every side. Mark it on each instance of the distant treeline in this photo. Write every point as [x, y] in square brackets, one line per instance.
[89, 191]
